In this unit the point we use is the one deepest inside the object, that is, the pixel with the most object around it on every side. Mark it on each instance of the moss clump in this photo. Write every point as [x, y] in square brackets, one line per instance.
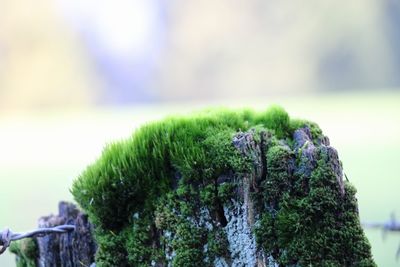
[312, 221]
[26, 251]
[132, 172]
[160, 196]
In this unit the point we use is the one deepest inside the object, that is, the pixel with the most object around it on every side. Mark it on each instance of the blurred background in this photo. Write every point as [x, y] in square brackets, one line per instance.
[75, 75]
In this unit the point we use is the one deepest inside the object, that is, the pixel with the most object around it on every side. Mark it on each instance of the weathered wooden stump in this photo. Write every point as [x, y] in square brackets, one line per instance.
[72, 249]
[223, 189]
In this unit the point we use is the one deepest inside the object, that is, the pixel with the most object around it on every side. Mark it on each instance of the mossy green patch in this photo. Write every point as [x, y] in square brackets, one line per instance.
[312, 222]
[160, 195]
[26, 251]
[133, 172]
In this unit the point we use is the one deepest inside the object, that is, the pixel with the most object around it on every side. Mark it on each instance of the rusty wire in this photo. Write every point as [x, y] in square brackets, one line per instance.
[7, 236]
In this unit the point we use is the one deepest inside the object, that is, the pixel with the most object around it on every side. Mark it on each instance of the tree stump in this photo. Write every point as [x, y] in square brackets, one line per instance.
[223, 189]
[72, 249]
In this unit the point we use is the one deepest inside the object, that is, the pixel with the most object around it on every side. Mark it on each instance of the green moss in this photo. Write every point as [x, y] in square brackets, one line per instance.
[130, 173]
[26, 251]
[226, 192]
[319, 226]
[278, 159]
[217, 244]
[111, 248]
[188, 244]
[139, 243]
[147, 194]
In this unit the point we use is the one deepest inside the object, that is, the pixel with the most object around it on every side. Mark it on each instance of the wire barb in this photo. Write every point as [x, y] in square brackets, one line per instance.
[7, 236]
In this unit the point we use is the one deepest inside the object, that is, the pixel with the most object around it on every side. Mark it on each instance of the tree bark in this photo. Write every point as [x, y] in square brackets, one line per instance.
[73, 249]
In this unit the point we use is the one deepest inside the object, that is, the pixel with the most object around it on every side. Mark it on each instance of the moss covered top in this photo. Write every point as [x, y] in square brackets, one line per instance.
[132, 172]
[167, 193]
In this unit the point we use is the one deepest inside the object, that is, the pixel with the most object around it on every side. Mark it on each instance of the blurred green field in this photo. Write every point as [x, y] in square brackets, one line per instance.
[40, 154]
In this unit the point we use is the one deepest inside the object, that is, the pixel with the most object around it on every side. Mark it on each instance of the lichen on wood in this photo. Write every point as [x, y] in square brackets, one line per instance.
[223, 188]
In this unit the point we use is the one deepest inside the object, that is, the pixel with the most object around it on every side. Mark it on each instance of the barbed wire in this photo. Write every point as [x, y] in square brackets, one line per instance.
[7, 236]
